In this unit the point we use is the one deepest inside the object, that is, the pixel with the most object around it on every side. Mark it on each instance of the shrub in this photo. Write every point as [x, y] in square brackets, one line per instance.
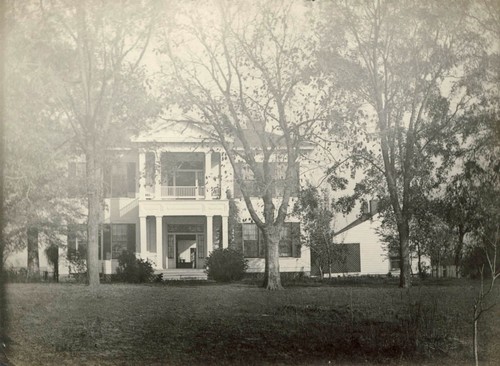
[133, 270]
[226, 265]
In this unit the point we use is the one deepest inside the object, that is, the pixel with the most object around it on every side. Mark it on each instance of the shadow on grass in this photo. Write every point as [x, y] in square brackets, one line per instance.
[293, 335]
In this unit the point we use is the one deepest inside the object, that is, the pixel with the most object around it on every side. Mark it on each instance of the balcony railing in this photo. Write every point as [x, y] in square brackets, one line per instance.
[182, 191]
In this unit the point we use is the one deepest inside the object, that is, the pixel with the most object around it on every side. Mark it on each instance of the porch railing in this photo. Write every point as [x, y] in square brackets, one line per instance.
[183, 191]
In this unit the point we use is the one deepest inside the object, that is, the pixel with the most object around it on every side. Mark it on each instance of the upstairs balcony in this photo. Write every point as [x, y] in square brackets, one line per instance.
[192, 176]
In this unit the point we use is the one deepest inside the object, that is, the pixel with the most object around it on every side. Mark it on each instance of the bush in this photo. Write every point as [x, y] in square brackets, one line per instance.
[226, 265]
[133, 270]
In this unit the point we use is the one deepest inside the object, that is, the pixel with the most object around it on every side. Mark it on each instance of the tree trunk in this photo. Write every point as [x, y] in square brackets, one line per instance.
[33, 255]
[404, 255]
[272, 280]
[56, 270]
[474, 337]
[458, 249]
[419, 258]
[94, 205]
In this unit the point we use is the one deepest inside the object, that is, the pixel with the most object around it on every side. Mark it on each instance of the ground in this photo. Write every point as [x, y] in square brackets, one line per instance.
[212, 324]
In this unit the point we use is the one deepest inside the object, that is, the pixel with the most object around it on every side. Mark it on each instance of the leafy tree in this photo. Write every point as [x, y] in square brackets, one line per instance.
[313, 207]
[88, 62]
[36, 150]
[241, 73]
[407, 64]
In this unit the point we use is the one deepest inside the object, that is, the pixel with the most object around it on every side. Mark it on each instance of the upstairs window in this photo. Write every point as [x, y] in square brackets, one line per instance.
[121, 182]
[277, 184]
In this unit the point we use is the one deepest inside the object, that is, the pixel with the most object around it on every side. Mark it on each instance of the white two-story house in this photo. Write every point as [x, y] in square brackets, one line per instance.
[167, 198]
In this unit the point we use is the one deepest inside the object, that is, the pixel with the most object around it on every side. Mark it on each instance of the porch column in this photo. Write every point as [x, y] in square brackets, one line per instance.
[159, 241]
[142, 175]
[208, 175]
[158, 176]
[210, 235]
[143, 237]
[225, 232]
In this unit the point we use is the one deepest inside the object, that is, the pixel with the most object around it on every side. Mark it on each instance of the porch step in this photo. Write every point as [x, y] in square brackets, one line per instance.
[182, 274]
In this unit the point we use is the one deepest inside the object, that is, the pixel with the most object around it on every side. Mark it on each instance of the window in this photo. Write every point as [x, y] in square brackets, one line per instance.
[393, 263]
[280, 179]
[253, 241]
[119, 180]
[118, 239]
[285, 249]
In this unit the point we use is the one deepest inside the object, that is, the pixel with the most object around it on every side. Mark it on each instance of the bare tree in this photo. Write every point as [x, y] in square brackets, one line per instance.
[88, 55]
[407, 64]
[242, 73]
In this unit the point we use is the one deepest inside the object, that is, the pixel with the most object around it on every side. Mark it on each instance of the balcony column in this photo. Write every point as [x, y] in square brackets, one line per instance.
[143, 237]
[225, 232]
[208, 175]
[142, 175]
[210, 235]
[158, 176]
[159, 242]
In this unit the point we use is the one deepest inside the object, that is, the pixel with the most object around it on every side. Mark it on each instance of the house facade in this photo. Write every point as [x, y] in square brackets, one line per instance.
[169, 197]
[359, 250]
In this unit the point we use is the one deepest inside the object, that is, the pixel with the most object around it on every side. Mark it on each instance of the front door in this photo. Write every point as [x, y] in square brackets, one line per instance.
[186, 251]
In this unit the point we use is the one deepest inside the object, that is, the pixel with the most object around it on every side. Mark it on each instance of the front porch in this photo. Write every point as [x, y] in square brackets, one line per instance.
[181, 234]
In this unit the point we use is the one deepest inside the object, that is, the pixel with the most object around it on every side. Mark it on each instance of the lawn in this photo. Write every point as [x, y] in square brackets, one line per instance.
[211, 324]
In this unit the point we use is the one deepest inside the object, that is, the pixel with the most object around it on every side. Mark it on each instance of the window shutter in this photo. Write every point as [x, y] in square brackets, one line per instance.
[131, 187]
[131, 237]
[106, 239]
[238, 237]
[296, 245]
[170, 245]
[200, 245]
[99, 242]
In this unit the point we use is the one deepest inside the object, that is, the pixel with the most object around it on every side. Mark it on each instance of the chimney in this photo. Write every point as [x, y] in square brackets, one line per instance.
[364, 207]
[373, 207]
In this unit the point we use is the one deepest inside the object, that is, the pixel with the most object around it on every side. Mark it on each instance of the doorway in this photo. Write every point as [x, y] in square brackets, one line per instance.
[186, 251]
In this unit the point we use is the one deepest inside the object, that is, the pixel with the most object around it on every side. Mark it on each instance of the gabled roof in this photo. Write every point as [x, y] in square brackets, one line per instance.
[174, 132]
[184, 132]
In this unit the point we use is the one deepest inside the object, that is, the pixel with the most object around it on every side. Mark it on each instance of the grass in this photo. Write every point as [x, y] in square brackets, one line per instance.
[213, 324]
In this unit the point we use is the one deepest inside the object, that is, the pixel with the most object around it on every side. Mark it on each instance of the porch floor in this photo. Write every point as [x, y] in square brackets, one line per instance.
[182, 274]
